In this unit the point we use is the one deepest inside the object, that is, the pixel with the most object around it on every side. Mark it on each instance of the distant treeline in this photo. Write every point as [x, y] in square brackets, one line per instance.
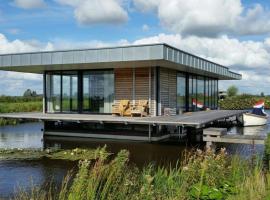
[20, 99]
[241, 102]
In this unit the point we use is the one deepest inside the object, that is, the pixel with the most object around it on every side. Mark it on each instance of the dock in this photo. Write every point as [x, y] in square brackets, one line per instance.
[194, 119]
[219, 135]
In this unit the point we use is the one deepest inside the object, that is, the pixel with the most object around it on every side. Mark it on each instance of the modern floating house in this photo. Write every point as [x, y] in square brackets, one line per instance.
[91, 81]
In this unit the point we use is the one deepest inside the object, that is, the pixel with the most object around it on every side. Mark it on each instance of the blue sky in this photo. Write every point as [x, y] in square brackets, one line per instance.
[231, 32]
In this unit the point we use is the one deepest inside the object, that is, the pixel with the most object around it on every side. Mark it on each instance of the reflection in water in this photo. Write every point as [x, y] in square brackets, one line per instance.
[141, 153]
[29, 135]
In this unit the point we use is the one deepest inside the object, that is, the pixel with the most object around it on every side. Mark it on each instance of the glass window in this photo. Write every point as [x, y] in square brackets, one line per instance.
[200, 91]
[69, 92]
[181, 91]
[98, 91]
[53, 92]
[192, 92]
[206, 92]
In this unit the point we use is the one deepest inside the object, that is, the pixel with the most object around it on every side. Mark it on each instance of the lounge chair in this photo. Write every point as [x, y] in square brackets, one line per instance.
[122, 109]
[141, 109]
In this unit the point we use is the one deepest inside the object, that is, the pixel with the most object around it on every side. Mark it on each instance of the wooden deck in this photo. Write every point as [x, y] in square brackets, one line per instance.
[195, 119]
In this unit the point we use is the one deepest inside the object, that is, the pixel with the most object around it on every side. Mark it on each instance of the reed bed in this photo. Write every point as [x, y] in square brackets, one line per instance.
[201, 175]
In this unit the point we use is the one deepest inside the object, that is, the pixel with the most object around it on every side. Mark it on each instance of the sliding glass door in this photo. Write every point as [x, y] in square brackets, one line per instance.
[98, 91]
[69, 92]
[181, 91]
[62, 92]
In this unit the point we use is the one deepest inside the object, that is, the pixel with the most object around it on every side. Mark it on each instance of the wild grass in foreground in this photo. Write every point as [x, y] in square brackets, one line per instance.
[201, 175]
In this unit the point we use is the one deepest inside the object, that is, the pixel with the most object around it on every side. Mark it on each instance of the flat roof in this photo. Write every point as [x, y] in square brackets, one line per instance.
[148, 55]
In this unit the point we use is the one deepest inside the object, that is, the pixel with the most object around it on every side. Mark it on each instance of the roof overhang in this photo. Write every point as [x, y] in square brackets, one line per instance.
[115, 57]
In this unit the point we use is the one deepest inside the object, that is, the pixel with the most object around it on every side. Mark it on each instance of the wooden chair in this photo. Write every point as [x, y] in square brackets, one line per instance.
[123, 109]
[141, 109]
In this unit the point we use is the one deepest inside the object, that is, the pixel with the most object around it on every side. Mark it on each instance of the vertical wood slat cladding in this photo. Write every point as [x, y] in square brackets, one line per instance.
[141, 84]
[168, 82]
[153, 92]
[124, 85]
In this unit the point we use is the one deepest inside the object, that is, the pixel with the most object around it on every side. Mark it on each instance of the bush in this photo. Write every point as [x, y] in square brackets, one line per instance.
[242, 102]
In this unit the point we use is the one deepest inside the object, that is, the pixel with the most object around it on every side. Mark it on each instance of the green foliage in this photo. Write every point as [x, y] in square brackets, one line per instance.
[241, 102]
[19, 99]
[232, 91]
[18, 104]
[202, 175]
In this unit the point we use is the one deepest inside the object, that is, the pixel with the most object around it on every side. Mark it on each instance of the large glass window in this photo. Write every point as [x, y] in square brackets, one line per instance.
[192, 92]
[200, 91]
[181, 91]
[70, 92]
[206, 92]
[53, 93]
[98, 91]
[62, 92]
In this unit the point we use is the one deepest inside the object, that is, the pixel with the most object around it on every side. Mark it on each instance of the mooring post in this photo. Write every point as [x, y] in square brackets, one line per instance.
[149, 133]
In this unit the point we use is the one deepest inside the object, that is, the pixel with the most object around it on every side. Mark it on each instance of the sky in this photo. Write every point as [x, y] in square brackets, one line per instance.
[233, 33]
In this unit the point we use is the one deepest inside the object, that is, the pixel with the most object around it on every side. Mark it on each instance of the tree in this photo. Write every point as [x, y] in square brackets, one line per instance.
[30, 93]
[232, 91]
[262, 94]
[27, 93]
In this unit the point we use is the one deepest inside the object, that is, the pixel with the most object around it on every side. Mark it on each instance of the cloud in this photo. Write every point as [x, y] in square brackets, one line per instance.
[209, 18]
[15, 83]
[250, 58]
[145, 27]
[17, 46]
[88, 12]
[30, 4]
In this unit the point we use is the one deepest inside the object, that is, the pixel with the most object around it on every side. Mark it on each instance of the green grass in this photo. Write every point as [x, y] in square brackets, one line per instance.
[201, 175]
[18, 104]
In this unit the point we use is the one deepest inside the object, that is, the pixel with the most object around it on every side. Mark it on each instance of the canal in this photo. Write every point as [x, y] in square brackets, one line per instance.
[16, 174]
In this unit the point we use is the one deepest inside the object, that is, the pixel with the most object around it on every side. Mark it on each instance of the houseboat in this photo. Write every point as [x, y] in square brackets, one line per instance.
[146, 81]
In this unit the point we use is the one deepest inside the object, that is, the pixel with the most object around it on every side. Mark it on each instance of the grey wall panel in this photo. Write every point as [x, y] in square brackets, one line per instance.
[170, 54]
[6, 60]
[46, 58]
[156, 52]
[79, 57]
[36, 59]
[91, 56]
[103, 55]
[141, 53]
[115, 54]
[128, 54]
[175, 56]
[15, 60]
[68, 57]
[57, 58]
[25, 59]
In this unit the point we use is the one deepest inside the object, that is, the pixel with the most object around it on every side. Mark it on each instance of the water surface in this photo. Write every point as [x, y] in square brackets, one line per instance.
[29, 135]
